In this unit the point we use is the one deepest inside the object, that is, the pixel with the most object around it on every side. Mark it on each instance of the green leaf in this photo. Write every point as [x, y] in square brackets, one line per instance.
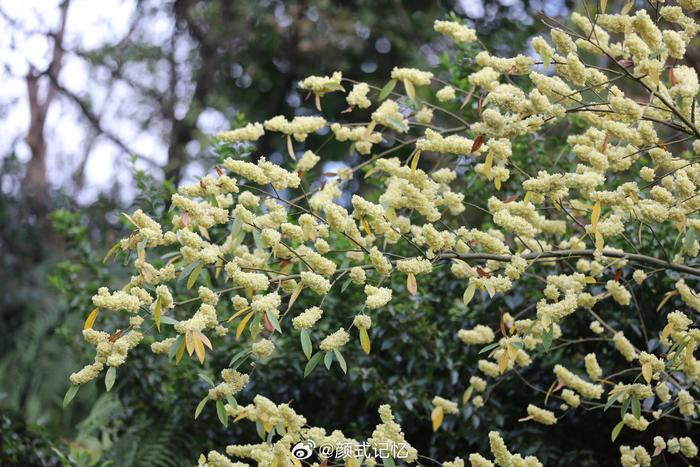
[168, 320]
[345, 285]
[616, 430]
[70, 394]
[200, 407]
[689, 239]
[328, 360]
[490, 347]
[612, 400]
[312, 363]
[260, 429]
[175, 346]
[547, 338]
[194, 276]
[624, 407]
[306, 345]
[636, 408]
[341, 361]
[232, 401]
[188, 270]
[221, 413]
[239, 358]
[274, 321]
[386, 90]
[207, 379]
[396, 124]
[254, 325]
[110, 377]
[388, 462]
[111, 251]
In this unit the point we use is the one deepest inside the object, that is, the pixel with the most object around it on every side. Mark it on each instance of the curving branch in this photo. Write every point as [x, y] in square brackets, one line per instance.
[650, 260]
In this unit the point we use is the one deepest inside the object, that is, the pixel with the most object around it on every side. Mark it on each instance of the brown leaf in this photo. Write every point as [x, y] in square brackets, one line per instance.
[467, 98]
[185, 218]
[478, 142]
[219, 172]
[625, 63]
[481, 272]
[671, 76]
[511, 198]
[349, 109]
[267, 323]
[116, 335]
[618, 275]
[502, 324]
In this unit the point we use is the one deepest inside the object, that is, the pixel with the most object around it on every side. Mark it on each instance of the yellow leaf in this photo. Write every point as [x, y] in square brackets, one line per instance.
[469, 293]
[368, 133]
[205, 340]
[489, 288]
[199, 347]
[203, 232]
[180, 351]
[595, 215]
[290, 147]
[635, 196]
[318, 102]
[689, 359]
[410, 90]
[667, 296]
[526, 198]
[414, 161]
[667, 330]
[190, 342]
[437, 417]
[646, 372]
[628, 6]
[467, 394]
[512, 351]
[603, 6]
[157, 309]
[218, 266]
[364, 340]
[295, 295]
[487, 165]
[90, 320]
[411, 284]
[589, 280]
[241, 325]
[238, 313]
[497, 183]
[365, 226]
[503, 362]
[599, 241]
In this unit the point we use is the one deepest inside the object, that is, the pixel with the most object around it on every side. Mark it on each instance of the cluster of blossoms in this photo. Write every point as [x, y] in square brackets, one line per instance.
[634, 166]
